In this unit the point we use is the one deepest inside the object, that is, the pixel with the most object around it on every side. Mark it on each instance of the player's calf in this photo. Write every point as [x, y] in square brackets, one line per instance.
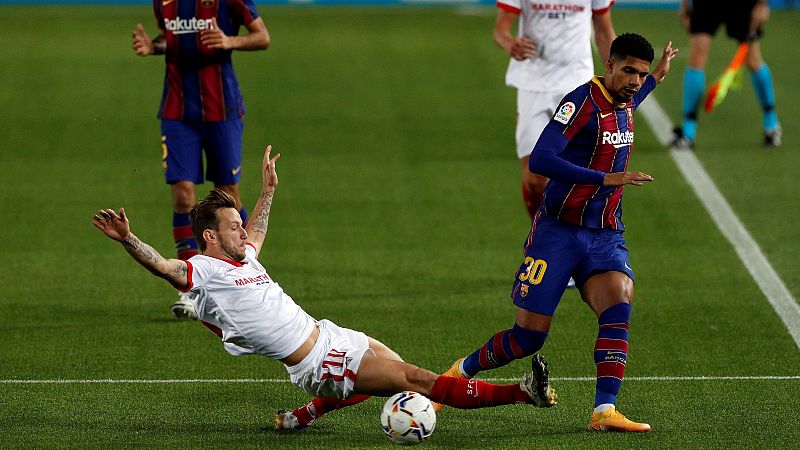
[306, 415]
[502, 348]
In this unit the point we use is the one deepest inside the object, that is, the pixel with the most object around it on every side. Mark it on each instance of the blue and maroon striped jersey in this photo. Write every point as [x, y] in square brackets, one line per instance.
[200, 83]
[589, 135]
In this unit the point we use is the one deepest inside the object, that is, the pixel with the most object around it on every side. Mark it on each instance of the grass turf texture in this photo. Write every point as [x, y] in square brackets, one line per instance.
[398, 214]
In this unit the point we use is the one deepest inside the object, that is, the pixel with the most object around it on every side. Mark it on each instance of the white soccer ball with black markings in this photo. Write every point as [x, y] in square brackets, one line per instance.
[408, 418]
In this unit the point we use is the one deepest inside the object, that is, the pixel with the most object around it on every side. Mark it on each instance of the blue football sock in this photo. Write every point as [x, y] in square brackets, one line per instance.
[694, 84]
[762, 83]
[611, 352]
[502, 348]
[185, 243]
[243, 214]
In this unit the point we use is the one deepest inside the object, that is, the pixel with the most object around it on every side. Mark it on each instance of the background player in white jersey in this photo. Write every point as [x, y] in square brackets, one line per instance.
[235, 297]
[550, 55]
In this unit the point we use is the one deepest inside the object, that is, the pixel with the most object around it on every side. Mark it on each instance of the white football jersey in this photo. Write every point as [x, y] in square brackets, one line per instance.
[561, 30]
[245, 307]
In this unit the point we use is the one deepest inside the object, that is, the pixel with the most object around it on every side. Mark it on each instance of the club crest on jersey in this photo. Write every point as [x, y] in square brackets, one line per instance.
[524, 290]
[564, 113]
[207, 3]
[618, 139]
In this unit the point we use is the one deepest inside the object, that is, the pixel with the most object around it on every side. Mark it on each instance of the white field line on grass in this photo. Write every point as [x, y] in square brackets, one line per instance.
[496, 380]
[726, 220]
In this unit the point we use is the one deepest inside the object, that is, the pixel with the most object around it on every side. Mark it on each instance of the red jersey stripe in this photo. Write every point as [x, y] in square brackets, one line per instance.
[211, 96]
[173, 101]
[582, 118]
[576, 202]
[210, 76]
[580, 193]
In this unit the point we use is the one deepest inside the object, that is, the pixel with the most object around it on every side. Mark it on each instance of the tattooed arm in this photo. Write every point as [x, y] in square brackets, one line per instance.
[116, 227]
[258, 221]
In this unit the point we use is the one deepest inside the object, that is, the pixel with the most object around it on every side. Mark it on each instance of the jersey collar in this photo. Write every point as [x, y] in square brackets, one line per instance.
[599, 82]
[230, 261]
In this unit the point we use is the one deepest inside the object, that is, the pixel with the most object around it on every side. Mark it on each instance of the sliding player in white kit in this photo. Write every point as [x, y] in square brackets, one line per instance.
[235, 297]
[550, 55]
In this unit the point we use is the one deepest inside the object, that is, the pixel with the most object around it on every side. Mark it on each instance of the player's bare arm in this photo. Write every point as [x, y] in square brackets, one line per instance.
[662, 68]
[144, 46]
[257, 37]
[623, 178]
[604, 34]
[117, 227]
[518, 47]
[257, 225]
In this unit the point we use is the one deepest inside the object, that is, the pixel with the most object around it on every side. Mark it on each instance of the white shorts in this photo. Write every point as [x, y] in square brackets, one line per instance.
[330, 369]
[534, 111]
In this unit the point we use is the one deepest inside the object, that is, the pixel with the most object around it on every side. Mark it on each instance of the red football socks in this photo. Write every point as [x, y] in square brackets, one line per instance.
[467, 394]
[321, 405]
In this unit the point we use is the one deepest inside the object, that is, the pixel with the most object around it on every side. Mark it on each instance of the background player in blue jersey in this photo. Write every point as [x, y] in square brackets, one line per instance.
[577, 232]
[743, 20]
[201, 106]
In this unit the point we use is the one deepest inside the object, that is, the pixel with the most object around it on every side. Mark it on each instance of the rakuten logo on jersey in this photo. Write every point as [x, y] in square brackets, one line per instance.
[618, 139]
[184, 26]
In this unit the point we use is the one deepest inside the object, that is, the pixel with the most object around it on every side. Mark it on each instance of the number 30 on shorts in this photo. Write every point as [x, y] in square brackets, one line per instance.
[535, 270]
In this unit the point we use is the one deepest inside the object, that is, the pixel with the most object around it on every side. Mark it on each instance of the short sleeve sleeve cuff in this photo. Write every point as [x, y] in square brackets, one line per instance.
[245, 10]
[512, 6]
[189, 281]
[600, 7]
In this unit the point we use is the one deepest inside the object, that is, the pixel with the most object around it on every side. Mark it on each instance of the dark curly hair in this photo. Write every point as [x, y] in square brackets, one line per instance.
[632, 44]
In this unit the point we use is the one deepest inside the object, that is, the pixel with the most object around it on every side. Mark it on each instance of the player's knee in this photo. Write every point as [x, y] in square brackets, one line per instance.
[753, 64]
[183, 197]
[419, 380]
[626, 289]
[382, 351]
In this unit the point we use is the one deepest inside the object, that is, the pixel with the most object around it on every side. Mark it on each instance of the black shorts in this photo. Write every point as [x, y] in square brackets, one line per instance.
[708, 15]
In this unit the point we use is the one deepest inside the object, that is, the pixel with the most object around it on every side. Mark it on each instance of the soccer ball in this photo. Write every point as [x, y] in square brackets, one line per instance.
[408, 418]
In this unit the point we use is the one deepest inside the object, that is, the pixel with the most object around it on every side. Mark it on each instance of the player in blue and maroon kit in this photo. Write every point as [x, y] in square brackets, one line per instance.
[577, 232]
[201, 106]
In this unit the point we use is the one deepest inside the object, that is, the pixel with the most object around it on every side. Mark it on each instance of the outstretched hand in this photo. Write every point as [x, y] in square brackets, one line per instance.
[113, 225]
[663, 65]
[623, 178]
[270, 176]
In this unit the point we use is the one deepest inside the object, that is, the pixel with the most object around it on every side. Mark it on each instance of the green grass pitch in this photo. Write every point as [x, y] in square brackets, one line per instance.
[398, 213]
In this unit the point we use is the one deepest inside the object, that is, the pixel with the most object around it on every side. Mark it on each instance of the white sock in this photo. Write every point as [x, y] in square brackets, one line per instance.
[603, 407]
